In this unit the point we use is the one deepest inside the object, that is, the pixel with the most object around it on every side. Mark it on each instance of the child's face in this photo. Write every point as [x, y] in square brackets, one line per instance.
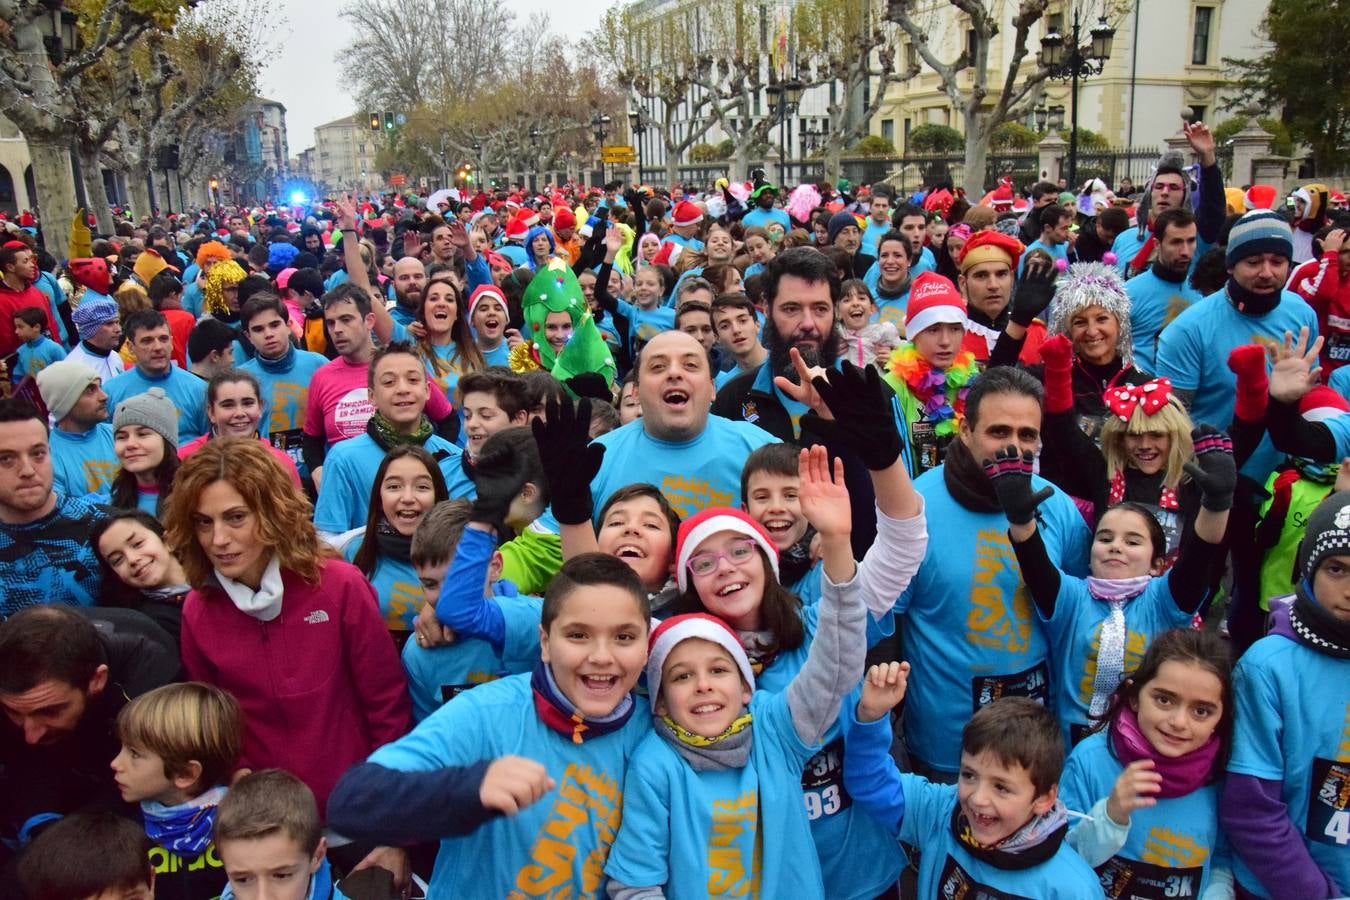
[1148, 450]
[636, 531]
[1122, 548]
[25, 332]
[431, 578]
[698, 324]
[760, 250]
[407, 492]
[145, 891]
[771, 500]
[996, 798]
[489, 319]
[269, 868]
[630, 407]
[1331, 586]
[733, 587]
[596, 647]
[855, 310]
[647, 288]
[1180, 707]
[939, 343]
[136, 554]
[483, 418]
[139, 775]
[587, 282]
[701, 688]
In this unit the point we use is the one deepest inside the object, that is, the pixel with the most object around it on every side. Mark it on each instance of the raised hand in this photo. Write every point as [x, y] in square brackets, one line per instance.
[459, 237]
[512, 783]
[1202, 142]
[412, 242]
[804, 391]
[1010, 473]
[883, 688]
[569, 457]
[1057, 352]
[1295, 370]
[855, 411]
[1213, 468]
[1033, 291]
[1134, 789]
[613, 243]
[824, 499]
[346, 213]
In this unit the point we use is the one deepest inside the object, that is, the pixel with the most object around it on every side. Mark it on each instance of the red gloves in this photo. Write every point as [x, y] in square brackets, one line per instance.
[1057, 354]
[1248, 362]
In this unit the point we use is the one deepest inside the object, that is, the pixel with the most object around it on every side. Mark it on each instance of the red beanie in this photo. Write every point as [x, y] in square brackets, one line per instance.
[563, 218]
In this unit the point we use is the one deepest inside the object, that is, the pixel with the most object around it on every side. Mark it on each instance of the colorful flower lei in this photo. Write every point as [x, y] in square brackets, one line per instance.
[941, 394]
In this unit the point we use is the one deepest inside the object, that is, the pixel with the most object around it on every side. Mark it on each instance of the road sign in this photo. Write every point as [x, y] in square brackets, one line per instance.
[618, 153]
[398, 179]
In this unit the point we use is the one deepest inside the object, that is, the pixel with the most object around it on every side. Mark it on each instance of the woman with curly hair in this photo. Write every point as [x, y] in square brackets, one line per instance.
[292, 632]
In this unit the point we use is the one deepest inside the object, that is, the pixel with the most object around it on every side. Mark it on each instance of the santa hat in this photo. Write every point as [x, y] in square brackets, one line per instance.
[990, 246]
[686, 213]
[1322, 403]
[667, 254]
[697, 529]
[518, 227]
[1260, 196]
[563, 218]
[670, 633]
[530, 216]
[486, 290]
[933, 299]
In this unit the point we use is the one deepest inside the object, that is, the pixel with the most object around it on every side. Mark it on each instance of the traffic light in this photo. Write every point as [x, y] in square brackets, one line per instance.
[374, 121]
[388, 121]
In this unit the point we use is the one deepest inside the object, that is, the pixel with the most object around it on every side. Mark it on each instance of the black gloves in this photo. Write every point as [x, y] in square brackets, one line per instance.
[1032, 293]
[570, 459]
[863, 419]
[1010, 474]
[1213, 468]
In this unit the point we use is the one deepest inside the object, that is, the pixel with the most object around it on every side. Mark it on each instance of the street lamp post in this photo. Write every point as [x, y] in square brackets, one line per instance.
[637, 129]
[600, 128]
[534, 161]
[1072, 63]
[478, 158]
[783, 98]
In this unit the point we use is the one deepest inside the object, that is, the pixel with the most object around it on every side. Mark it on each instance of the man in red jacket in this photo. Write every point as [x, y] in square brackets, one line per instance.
[18, 271]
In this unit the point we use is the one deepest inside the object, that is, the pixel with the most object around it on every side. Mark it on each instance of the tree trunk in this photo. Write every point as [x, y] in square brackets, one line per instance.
[55, 185]
[834, 168]
[740, 162]
[95, 192]
[140, 194]
[978, 134]
[672, 165]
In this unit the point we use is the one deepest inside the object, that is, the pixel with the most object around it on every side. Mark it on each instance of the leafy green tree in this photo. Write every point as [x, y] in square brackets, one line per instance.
[1302, 73]
[1013, 136]
[1282, 145]
[873, 145]
[935, 139]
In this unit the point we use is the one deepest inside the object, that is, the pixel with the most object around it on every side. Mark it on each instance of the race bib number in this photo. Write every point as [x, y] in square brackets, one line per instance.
[956, 883]
[1338, 346]
[823, 782]
[1128, 879]
[1033, 683]
[289, 442]
[929, 449]
[451, 691]
[1329, 803]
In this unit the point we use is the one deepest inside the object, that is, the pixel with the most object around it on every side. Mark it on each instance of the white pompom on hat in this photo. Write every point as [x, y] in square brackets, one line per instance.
[668, 635]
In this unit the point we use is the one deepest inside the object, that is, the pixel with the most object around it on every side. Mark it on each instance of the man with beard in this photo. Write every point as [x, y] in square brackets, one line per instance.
[410, 277]
[1253, 307]
[801, 293]
[83, 460]
[765, 212]
[1159, 295]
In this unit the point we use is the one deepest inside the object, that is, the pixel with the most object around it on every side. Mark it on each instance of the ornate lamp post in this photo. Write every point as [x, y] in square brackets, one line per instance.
[1072, 63]
[600, 128]
[637, 129]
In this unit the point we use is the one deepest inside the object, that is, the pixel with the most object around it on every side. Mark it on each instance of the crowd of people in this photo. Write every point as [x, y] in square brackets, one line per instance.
[635, 543]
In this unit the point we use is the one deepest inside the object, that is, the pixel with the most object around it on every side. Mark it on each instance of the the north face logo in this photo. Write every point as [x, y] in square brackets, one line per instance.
[316, 617]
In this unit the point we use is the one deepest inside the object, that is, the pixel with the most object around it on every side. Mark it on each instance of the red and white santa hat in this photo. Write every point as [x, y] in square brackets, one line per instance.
[518, 226]
[486, 290]
[1322, 403]
[668, 252]
[686, 213]
[698, 528]
[668, 635]
[933, 299]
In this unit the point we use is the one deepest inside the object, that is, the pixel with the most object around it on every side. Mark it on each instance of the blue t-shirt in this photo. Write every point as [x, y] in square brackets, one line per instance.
[969, 626]
[890, 309]
[1074, 633]
[920, 813]
[873, 233]
[1292, 722]
[396, 585]
[47, 283]
[436, 675]
[762, 218]
[1171, 847]
[50, 560]
[1056, 251]
[645, 324]
[285, 395]
[349, 475]
[499, 355]
[193, 298]
[1193, 350]
[36, 355]
[735, 832]
[83, 463]
[1340, 381]
[187, 391]
[552, 847]
[1154, 303]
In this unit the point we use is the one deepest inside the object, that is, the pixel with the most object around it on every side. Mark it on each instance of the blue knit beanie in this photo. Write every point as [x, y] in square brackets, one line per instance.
[280, 255]
[1259, 231]
[838, 222]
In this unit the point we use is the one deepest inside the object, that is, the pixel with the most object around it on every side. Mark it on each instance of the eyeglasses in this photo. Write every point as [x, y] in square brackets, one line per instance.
[738, 553]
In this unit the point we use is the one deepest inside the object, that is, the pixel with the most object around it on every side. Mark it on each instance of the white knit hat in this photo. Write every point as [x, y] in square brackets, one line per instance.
[668, 635]
[61, 383]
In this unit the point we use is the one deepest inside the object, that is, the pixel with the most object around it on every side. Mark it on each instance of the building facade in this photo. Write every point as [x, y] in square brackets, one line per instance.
[1166, 55]
[344, 157]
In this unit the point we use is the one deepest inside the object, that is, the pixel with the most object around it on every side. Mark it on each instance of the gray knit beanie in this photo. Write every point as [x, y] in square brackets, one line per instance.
[152, 409]
[1328, 533]
[61, 383]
